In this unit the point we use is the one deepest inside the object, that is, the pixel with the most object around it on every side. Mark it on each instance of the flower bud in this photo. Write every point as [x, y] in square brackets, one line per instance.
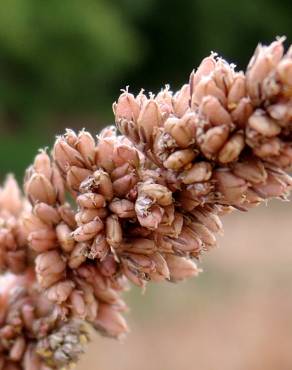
[47, 213]
[89, 214]
[77, 256]
[113, 230]
[40, 189]
[199, 172]
[66, 156]
[76, 175]
[181, 101]
[64, 235]
[91, 200]
[60, 291]
[179, 159]
[123, 208]
[50, 268]
[125, 154]
[127, 107]
[264, 125]
[252, 171]
[139, 246]
[158, 193]
[181, 268]
[206, 67]
[42, 164]
[105, 150]
[214, 140]
[149, 118]
[203, 232]
[242, 112]
[237, 91]
[88, 231]
[232, 149]
[284, 71]
[123, 185]
[86, 147]
[182, 130]
[231, 187]
[110, 322]
[108, 266]
[263, 61]
[10, 196]
[42, 240]
[206, 88]
[209, 219]
[67, 215]
[214, 112]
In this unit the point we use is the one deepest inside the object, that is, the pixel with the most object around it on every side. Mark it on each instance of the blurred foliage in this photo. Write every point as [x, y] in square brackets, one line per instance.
[62, 63]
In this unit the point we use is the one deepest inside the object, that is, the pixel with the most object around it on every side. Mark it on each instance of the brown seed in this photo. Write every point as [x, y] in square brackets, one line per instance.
[232, 187]
[42, 164]
[40, 189]
[123, 208]
[284, 71]
[182, 130]
[179, 159]
[158, 193]
[214, 140]
[104, 184]
[139, 246]
[86, 147]
[60, 292]
[207, 88]
[204, 233]
[123, 185]
[149, 118]
[263, 124]
[125, 154]
[113, 230]
[42, 240]
[88, 231]
[47, 213]
[65, 238]
[67, 214]
[181, 101]
[91, 200]
[252, 171]
[77, 256]
[76, 175]
[199, 172]
[232, 149]
[127, 107]
[181, 268]
[65, 155]
[110, 322]
[237, 91]
[214, 112]
[87, 215]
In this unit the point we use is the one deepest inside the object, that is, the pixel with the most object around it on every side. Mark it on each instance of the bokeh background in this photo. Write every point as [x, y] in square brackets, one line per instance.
[62, 64]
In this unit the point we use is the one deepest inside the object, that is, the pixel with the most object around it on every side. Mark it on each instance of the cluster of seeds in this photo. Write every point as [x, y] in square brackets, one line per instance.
[210, 137]
[141, 206]
[32, 336]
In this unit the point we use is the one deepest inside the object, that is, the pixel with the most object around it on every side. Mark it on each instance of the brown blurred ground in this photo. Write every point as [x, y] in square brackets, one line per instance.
[236, 316]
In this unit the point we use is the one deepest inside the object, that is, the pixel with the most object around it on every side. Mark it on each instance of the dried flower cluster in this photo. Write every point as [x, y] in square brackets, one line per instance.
[142, 206]
[74, 282]
[225, 136]
[32, 336]
[13, 245]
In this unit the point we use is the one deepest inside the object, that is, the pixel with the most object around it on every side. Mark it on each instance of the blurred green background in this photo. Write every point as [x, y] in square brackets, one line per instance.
[63, 62]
